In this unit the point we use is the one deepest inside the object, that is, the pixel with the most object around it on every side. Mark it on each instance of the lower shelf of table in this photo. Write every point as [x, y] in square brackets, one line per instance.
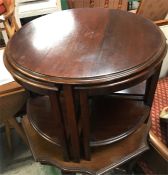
[103, 158]
[111, 119]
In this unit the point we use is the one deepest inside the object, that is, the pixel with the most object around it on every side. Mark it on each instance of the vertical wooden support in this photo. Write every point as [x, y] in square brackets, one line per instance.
[56, 111]
[85, 119]
[151, 87]
[72, 122]
[8, 136]
[12, 122]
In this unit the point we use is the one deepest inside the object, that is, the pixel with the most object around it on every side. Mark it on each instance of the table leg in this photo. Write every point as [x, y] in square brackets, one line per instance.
[56, 111]
[85, 118]
[72, 122]
[151, 86]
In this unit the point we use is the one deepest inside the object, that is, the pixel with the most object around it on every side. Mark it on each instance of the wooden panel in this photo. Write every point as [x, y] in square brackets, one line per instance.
[78, 4]
[124, 5]
[96, 3]
[116, 4]
[111, 3]
[10, 87]
[86, 3]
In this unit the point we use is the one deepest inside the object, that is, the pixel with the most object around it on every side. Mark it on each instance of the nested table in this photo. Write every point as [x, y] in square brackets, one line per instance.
[77, 57]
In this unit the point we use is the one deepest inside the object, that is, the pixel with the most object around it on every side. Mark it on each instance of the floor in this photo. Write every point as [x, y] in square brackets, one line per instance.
[20, 160]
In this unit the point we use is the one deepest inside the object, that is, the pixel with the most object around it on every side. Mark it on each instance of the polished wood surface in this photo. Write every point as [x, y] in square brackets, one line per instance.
[86, 55]
[107, 125]
[103, 159]
[160, 147]
[94, 44]
[10, 87]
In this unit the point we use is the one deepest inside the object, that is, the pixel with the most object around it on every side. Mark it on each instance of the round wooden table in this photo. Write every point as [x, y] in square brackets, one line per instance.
[78, 54]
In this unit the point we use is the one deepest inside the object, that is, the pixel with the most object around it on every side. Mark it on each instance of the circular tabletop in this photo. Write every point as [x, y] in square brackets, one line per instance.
[82, 46]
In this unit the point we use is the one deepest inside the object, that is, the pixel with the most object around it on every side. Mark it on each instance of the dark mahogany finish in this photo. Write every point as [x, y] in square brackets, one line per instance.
[105, 121]
[79, 62]
[104, 158]
[86, 46]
